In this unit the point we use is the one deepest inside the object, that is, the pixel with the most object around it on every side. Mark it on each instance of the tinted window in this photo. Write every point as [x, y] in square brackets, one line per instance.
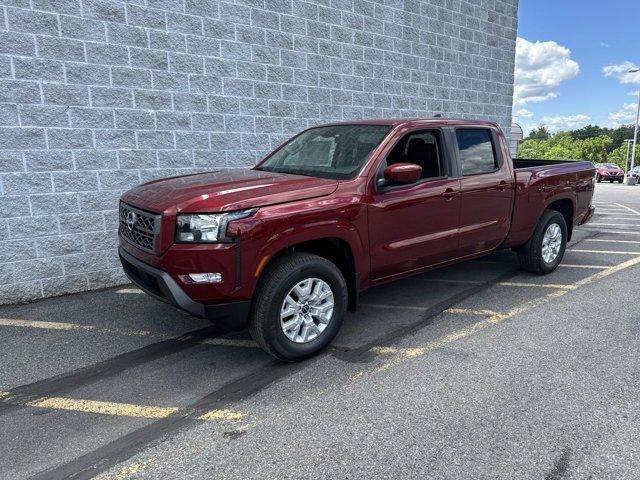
[475, 151]
[335, 151]
[421, 148]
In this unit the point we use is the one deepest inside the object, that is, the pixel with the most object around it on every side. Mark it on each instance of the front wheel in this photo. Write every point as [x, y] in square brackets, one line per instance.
[620, 181]
[544, 251]
[298, 307]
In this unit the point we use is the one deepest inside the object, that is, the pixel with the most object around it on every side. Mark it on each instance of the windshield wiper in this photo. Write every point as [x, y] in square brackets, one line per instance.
[288, 171]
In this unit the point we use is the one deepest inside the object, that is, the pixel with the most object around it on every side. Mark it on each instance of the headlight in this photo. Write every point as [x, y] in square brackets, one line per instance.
[207, 228]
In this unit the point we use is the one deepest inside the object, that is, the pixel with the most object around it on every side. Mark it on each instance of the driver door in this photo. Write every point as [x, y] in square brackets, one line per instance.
[414, 226]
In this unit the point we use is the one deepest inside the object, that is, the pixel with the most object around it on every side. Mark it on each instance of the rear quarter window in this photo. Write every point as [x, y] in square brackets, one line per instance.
[475, 151]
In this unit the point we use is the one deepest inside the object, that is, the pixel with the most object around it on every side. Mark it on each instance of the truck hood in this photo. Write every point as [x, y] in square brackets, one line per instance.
[226, 190]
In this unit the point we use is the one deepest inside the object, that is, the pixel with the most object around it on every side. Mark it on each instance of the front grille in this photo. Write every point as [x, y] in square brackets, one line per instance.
[139, 227]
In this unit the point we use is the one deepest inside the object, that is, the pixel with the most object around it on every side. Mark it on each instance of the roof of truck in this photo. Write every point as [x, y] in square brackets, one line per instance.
[411, 121]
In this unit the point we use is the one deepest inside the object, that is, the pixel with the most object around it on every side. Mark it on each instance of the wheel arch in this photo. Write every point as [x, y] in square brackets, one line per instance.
[335, 249]
[566, 208]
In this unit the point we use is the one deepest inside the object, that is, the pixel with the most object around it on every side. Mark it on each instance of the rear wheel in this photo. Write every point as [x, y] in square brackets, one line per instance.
[544, 251]
[298, 307]
[610, 181]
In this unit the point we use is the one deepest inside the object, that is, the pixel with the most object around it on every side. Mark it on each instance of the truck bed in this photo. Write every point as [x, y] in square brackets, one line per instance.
[540, 182]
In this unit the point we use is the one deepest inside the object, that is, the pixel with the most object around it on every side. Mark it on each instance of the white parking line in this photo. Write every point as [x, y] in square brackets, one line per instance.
[628, 208]
[616, 232]
[610, 241]
[537, 285]
[569, 265]
[605, 251]
[614, 224]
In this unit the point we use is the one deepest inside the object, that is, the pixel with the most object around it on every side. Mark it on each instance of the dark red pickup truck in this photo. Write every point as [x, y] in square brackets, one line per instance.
[286, 247]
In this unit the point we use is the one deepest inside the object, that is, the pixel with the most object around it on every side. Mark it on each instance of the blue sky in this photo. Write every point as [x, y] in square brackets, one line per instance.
[562, 84]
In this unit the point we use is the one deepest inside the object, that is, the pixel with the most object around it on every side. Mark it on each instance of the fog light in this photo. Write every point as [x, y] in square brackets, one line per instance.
[206, 277]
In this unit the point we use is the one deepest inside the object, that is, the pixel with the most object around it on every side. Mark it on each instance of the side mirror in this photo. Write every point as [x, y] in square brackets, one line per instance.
[403, 173]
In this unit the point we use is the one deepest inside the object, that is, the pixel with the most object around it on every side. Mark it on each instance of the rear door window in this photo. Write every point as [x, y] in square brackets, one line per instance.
[475, 151]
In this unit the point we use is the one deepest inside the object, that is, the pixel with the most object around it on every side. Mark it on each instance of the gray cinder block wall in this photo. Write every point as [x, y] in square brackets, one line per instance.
[97, 96]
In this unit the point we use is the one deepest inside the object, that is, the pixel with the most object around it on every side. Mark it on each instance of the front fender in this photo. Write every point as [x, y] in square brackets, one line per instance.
[277, 228]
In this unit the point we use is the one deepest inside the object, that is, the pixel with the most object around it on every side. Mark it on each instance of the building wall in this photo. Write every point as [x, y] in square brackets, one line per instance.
[97, 96]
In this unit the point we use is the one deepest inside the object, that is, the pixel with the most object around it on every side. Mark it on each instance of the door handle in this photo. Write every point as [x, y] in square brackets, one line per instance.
[502, 186]
[448, 194]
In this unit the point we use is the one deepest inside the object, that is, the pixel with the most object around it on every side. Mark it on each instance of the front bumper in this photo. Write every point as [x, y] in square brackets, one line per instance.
[160, 285]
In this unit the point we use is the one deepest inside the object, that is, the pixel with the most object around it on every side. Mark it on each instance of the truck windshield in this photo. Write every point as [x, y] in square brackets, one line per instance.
[335, 151]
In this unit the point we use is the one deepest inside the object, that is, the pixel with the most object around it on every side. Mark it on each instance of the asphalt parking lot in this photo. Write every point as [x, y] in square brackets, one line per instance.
[473, 371]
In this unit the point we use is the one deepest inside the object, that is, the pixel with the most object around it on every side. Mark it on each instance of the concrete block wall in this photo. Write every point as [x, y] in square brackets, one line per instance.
[97, 96]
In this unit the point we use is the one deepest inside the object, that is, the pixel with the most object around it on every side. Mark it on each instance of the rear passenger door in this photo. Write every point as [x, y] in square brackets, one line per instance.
[487, 188]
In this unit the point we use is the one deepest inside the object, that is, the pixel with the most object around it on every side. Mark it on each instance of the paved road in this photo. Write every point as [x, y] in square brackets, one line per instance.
[473, 371]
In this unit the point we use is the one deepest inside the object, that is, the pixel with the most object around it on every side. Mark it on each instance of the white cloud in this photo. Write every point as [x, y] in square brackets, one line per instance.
[624, 116]
[523, 113]
[604, 44]
[621, 72]
[633, 93]
[564, 122]
[540, 68]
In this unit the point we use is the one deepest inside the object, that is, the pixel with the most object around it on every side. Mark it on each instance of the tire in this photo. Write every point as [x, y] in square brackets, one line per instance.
[277, 283]
[598, 179]
[610, 181]
[531, 254]
[620, 181]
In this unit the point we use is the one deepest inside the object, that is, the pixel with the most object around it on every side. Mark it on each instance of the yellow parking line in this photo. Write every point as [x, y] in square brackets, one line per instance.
[467, 311]
[462, 311]
[121, 409]
[10, 322]
[45, 325]
[604, 251]
[129, 290]
[393, 307]
[413, 352]
[230, 342]
[129, 471]
[628, 208]
[103, 408]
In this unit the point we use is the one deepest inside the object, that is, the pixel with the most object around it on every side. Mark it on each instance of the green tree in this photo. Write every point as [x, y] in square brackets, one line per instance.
[619, 135]
[619, 156]
[560, 146]
[587, 143]
[594, 148]
[588, 131]
[541, 133]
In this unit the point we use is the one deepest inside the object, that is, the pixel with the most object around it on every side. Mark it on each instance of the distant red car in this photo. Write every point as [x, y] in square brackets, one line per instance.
[609, 171]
